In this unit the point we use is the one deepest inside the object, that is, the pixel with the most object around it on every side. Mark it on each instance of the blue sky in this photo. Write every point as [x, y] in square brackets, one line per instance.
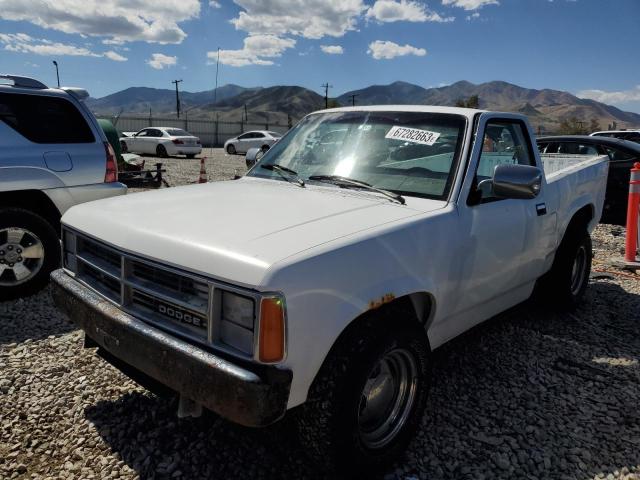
[587, 47]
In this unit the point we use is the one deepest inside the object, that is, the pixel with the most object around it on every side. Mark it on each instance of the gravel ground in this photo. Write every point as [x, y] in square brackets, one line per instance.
[529, 394]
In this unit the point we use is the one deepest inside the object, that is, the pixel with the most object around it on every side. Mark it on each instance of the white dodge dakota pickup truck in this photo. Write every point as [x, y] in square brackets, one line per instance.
[324, 278]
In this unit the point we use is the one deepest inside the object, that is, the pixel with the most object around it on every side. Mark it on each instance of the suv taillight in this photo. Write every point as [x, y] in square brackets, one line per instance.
[111, 173]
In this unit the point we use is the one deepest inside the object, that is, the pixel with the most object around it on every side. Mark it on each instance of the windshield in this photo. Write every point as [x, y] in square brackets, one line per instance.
[177, 132]
[409, 153]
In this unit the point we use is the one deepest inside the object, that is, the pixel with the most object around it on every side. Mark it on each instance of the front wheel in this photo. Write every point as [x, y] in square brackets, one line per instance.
[123, 147]
[191, 155]
[367, 400]
[29, 252]
[231, 149]
[567, 281]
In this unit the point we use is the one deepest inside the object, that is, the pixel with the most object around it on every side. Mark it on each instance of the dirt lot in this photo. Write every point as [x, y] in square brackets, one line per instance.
[529, 394]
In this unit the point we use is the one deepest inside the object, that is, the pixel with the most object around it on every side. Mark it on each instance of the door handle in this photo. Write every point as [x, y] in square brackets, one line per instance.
[541, 209]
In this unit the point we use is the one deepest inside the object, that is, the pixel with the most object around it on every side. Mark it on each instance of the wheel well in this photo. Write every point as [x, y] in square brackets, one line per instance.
[35, 201]
[417, 308]
[580, 219]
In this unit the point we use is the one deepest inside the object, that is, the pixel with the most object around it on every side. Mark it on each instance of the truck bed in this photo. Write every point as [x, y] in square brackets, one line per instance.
[559, 165]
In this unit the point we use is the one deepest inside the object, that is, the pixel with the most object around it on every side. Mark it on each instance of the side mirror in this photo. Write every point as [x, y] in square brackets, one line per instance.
[253, 156]
[517, 181]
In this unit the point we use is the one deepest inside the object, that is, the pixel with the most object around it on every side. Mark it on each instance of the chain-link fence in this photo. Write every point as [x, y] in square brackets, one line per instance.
[212, 133]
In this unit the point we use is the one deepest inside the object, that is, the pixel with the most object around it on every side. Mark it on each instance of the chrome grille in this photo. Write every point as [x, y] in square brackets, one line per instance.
[148, 290]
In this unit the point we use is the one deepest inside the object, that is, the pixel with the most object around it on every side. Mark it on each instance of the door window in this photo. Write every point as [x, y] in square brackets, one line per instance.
[504, 142]
[44, 119]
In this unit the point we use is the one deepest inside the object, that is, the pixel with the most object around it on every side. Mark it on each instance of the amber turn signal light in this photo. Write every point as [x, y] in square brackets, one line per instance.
[271, 330]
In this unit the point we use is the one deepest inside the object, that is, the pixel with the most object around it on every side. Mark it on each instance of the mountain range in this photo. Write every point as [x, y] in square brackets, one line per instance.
[280, 104]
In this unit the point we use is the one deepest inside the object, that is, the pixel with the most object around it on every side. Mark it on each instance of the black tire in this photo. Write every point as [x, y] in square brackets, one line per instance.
[123, 147]
[264, 148]
[191, 155]
[231, 149]
[565, 284]
[18, 218]
[161, 151]
[330, 423]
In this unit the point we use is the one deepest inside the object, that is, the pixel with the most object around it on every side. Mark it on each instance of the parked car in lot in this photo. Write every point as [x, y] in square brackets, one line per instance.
[263, 139]
[162, 141]
[622, 155]
[53, 155]
[423, 222]
[631, 135]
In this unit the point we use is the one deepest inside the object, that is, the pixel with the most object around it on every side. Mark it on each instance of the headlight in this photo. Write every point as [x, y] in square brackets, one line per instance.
[237, 322]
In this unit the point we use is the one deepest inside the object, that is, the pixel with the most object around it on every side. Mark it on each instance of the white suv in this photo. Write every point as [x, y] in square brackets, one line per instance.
[53, 155]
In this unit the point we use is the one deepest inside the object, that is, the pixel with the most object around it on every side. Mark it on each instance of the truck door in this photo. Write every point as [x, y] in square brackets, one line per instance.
[497, 267]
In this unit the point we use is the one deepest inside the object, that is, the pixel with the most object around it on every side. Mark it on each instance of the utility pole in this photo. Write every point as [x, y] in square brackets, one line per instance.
[353, 99]
[177, 97]
[215, 91]
[57, 73]
[326, 87]
[246, 115]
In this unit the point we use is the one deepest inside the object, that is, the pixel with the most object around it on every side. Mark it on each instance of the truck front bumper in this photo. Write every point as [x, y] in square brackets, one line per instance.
[251, 397]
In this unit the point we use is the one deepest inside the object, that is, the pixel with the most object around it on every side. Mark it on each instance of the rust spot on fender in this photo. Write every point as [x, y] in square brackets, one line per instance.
[377, 303]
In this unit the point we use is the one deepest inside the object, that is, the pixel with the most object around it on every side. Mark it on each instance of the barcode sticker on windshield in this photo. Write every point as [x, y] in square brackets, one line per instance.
[425, 137]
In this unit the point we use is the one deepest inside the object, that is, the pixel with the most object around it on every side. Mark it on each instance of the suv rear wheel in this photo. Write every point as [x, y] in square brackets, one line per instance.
[29, 252]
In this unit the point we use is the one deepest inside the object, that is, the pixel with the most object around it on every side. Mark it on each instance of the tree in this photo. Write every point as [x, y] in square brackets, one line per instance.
[594, 126]
[472, 102]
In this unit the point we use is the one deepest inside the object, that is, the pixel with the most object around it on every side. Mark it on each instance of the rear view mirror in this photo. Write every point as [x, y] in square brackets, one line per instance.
[253, 156]
[517, 181]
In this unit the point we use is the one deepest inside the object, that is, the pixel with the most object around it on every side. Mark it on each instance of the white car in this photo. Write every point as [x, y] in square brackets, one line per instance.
[255, 139]
[632, 135]
[420, 224]
[162, 141]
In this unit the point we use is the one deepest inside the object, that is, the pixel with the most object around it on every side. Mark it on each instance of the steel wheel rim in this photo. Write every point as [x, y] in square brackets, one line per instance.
[578, 269]
[387, 398]
[21, 256]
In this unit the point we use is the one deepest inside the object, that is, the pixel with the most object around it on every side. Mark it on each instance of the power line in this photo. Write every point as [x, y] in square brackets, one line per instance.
[326, 87]
[177, 97]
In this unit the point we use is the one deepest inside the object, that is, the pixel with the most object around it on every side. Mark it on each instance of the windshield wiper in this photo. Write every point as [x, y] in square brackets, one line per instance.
[281, 170]
[350, 182]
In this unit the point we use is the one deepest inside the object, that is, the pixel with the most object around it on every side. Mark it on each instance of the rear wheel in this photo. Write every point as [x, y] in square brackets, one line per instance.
[264, 148]
[231, 149]
[29, 252]
[161, 151]
[191, 155]
[567, 281]
[367, 400]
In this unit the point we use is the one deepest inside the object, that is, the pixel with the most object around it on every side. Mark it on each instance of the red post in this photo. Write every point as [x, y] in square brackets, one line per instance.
[633, 209]
[203, 171]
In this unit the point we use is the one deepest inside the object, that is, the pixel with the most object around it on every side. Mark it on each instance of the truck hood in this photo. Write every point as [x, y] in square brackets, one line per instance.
[234, 231]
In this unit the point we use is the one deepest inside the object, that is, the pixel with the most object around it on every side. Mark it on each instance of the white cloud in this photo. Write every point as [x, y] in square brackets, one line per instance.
[403, 10]
[257, 50]
[119, 20]
[332, 49]
[307, 18]
[387, 50]
[116, 57]
[473, 16]
[470, 4]
[214, 4]
[160, 61]
[632, 95]
[23, 43]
